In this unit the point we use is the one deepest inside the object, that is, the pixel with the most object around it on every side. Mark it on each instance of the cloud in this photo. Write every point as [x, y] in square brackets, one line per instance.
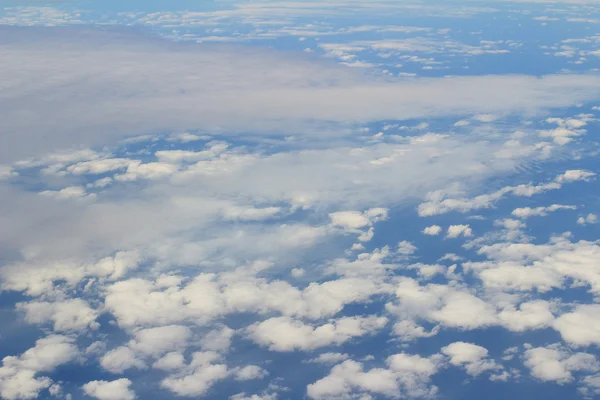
[438, 203]
[554, 364]
[199, 87]
[526, 266]
[588, 219]
[113, 390]
[455, 231]
[580, 327]
[19, 375]
[329, 358]
[68, 315]
[285, 334]
[535, 314]
[406, 375]
[121, 359]
[470, 356]
[526, 212]
[205, 370]
[432, 230]
[451, 307]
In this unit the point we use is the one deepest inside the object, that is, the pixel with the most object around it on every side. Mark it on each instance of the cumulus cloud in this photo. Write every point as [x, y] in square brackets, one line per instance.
[472, 357]
[432, 230]
[526, 212]
[580, 327]
[588, 219]
[68, 315]
[554, 364]
[19, 376]
[121, 359]
[113, 390]
[406, 375]
[286, 334]
[455, 231]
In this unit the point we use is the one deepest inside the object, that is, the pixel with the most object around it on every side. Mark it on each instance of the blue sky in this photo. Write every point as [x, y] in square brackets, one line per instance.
[299, 200]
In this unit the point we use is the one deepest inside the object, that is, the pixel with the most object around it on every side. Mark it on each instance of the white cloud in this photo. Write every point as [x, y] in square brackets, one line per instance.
[451, 307]
[249, 372]
[554, 364]
[68, 315]
[18, 378]
[588, 219]
[201, 374]
[455, 231]
[329, 358]
[406, 248]
[216, 94]
[580, 327]
[526, 212]
[71, 192]
[432, 230]
[170, 361]
[156, 341]
[121, 359]
[438, 202]
[349, 219]
[407, 375]
[408, 331]
[113, 390]
[535, 314]
[470, 356]
[286, 334]
[526, 266]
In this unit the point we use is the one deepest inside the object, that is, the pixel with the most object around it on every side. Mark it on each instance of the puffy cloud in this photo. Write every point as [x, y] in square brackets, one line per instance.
[156, 341]
[366, 265]
[218, 339]
[200, 375]
[432, 230]
[471, 356]
[463, 310]
[526, 212]
[170, 361]
[580, 327]
[113, 390]
[249, 372]
[588, 219]
[71, 192]
[554, 364]
[441, 304]
[286, 334]
[535, 314]
[458, 230]
[349, 219]
[541, 267]
[353, 221]
[121, 359]
[22, 384]
[406, 248]
[407, 375]
[136, 302]
[68, 315]
[18, 375]
[565, 132]
[574, 175]
[408, 330]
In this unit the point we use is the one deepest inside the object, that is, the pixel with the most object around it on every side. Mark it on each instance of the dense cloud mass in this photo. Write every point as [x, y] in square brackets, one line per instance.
[277, 200]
